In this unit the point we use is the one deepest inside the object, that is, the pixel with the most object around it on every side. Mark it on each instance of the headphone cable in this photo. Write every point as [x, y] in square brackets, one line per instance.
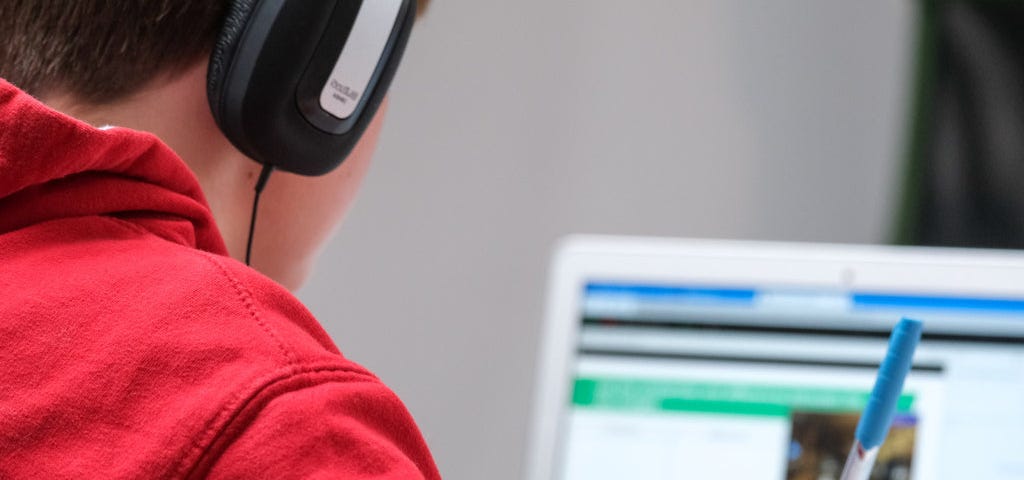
[260, 183]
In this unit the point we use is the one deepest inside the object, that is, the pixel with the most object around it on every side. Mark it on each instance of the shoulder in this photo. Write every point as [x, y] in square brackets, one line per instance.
[145, 288]
[173, 356]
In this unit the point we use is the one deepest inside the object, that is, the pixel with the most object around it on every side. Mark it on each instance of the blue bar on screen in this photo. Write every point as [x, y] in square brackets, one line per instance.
[651, 292]
[858, 300]
[885, 301]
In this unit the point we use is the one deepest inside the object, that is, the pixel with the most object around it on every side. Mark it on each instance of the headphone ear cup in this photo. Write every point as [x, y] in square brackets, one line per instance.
[274, 61]
[224, 52]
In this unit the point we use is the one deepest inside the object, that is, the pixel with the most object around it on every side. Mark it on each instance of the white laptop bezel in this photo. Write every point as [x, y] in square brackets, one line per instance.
[583, 259]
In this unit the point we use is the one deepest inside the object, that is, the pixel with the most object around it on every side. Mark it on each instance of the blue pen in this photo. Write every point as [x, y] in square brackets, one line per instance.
[878, 413]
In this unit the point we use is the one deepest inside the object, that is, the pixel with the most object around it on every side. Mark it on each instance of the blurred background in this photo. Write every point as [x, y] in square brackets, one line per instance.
[515, 123]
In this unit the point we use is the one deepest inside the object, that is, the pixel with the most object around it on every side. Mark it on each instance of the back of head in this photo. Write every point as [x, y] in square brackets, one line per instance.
[99, 51]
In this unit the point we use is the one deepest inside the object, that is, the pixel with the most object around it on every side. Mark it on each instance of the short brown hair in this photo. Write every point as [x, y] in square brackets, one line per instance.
[102, 50]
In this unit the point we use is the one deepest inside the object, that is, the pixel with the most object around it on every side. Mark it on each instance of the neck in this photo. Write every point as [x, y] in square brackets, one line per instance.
[169, 108]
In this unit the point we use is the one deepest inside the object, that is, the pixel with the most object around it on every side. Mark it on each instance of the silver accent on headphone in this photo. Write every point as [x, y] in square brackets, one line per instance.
[359, 59]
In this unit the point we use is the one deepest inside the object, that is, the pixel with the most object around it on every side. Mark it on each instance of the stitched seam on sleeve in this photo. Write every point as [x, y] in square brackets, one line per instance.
[243, 293]
[216, 426]
[246, 298]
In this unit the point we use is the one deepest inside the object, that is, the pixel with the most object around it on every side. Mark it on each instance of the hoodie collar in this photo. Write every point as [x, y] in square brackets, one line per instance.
[53, 166]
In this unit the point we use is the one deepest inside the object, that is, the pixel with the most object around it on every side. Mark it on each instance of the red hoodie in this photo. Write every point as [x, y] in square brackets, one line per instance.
[132, 346]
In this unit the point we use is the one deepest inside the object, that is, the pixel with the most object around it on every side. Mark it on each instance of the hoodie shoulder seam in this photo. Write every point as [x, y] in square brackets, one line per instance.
[242, 294]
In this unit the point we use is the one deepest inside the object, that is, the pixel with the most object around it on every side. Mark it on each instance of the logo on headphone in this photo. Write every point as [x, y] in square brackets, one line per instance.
[343, 92]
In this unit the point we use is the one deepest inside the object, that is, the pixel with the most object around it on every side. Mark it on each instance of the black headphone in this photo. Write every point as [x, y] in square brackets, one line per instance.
[293, 84]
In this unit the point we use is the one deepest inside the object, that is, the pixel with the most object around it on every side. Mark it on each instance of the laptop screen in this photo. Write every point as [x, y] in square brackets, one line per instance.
[713, 382]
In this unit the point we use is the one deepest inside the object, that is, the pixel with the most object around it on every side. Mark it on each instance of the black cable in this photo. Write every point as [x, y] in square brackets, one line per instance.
[260, 183]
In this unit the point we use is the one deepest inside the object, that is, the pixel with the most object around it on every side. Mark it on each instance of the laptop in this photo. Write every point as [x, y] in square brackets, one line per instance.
[673, 359]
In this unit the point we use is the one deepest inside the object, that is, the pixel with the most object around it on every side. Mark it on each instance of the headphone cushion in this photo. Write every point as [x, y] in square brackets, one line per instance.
[224, 51]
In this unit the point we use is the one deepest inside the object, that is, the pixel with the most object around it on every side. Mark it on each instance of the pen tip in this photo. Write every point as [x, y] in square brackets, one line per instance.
[909, 327]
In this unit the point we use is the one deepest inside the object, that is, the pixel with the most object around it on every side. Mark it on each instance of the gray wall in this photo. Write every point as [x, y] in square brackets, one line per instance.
[516, 122]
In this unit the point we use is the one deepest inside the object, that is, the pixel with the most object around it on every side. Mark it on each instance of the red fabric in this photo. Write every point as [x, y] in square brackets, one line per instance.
[131, 346]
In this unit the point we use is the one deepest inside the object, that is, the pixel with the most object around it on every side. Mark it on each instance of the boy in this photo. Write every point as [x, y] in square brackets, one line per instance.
[132, 345]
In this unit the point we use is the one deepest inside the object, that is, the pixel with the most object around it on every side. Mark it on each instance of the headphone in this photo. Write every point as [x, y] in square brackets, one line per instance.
[293, 84]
